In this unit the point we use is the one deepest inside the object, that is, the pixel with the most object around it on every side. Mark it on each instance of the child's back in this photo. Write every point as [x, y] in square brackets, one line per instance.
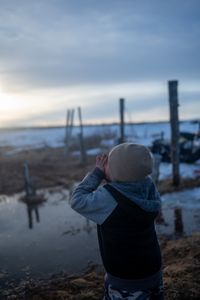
[124, 210]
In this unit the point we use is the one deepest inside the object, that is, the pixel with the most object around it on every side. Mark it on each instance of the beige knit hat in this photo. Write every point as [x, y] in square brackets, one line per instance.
[129, 162]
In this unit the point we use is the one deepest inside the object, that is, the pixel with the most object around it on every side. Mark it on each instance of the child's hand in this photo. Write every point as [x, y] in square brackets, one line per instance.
[101, 161]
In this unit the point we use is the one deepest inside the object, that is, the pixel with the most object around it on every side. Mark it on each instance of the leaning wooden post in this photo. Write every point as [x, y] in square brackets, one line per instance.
[121, 103]
[30, 190]
[71, 122]
[174, 121]
[67, 130]
[69, 127]
[82, 145]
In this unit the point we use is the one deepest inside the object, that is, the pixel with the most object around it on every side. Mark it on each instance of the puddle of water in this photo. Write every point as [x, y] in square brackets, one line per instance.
[180, 213]
[38, 240]
[43, 239]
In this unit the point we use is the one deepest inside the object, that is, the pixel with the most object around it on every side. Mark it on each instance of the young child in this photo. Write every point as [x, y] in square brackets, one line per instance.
[124, 210]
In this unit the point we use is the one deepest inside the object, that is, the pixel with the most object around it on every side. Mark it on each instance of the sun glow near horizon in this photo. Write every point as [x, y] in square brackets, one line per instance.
[145, 101]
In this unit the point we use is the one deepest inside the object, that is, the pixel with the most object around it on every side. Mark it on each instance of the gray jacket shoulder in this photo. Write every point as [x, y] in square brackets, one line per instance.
[91, 200]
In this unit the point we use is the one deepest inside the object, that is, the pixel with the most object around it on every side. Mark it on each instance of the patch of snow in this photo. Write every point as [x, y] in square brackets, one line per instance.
[186, 170]
[188, 198]
[54, 137]
[108, 143]
[92, 152]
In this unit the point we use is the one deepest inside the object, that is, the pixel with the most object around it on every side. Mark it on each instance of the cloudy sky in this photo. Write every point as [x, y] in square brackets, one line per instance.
[60, 54]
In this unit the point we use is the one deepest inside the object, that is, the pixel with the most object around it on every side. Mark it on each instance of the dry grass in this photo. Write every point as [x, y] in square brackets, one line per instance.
[166, 186]
[50, 167]
[181, 263]
[182, 268]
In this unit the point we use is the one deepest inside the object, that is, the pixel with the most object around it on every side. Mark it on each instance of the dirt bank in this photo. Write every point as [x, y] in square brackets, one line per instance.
[48, 167]
[181, 265]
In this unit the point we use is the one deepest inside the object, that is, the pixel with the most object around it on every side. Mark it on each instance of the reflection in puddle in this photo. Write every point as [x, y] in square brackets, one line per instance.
[179, 211]
[59, 239]
[178, 221]
[62, 240]
[31, 208]
[32, 204]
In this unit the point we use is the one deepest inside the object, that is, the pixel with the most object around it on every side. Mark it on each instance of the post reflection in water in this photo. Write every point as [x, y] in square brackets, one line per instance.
[34, 221]
[31, 209]
[32, 206]
[178, 221]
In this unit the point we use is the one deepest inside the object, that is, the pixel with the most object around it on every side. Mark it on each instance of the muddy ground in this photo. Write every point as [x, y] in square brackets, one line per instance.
[181, 268]
[50, 167]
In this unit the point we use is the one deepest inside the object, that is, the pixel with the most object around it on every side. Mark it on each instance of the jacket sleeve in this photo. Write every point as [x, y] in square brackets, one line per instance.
[90, 200]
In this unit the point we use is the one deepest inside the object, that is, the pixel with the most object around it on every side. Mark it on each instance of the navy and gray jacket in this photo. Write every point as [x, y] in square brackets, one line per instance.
[124, 214]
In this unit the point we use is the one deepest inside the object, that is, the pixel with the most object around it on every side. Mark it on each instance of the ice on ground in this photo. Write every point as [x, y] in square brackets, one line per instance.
[189, 198]
[186, 170]
[54, 137]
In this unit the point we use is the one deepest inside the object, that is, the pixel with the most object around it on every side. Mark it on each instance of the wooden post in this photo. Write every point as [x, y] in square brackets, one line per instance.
[67, 131]
[173, 103]
[82, 146]
[121, 103]
[71, 123]
[30, 190]
[69, 127]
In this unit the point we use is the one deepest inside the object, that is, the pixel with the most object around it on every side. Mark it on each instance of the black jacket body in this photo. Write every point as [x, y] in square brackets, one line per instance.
[128, 241]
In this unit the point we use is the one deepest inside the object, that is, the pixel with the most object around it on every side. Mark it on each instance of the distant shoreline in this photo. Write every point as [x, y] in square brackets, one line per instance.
[93, 125]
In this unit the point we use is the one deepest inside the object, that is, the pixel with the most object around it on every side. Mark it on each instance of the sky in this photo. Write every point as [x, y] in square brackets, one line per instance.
[61, 54]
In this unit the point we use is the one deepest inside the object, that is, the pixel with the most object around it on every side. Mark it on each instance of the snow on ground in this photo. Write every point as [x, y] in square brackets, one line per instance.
[186, 170]
[93, 152]
[54, 137]
[24, 139]
[188, 198]
[180, 212]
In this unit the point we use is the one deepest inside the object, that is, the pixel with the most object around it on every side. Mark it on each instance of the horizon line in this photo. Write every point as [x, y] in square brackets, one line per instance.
[95, 124]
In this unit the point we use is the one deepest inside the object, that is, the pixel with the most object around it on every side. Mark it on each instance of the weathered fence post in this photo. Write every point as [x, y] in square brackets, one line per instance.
[71, 122]
[82, 145]
[67, 131]
[30, 190]
[69, 127]
[121, 103]
[173, 103]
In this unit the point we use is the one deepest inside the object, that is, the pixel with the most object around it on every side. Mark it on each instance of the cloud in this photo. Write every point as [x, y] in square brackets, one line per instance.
[94, 50]
[57, 43]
